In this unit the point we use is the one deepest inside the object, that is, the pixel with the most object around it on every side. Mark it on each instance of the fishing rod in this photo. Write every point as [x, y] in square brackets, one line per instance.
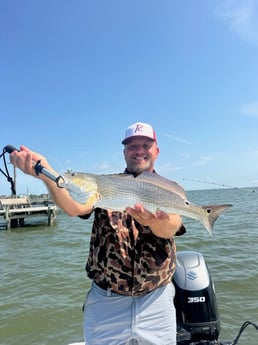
[207, 182]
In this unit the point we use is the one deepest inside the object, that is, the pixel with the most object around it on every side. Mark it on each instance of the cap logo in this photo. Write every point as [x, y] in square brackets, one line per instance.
[138, 128]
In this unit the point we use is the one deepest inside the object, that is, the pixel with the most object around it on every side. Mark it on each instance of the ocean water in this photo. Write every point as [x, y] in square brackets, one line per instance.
[43, 281]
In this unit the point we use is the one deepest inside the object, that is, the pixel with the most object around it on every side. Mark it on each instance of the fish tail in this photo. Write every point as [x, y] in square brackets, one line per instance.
[212, 214]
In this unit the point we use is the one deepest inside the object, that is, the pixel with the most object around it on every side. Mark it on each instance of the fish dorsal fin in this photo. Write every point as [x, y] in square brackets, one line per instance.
[162, 182]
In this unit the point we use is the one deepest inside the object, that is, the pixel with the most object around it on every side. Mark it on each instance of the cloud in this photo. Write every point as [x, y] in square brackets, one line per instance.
[167, 168]
[253, 153]
[204, 160]
[184, 155]
[250, 109]
[242, 16]
[179, 140]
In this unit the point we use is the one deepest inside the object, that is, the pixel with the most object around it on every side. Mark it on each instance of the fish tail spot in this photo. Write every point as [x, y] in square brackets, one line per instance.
[213, 212]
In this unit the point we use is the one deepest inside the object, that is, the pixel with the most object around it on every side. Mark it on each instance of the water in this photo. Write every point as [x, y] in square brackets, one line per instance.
[43, 282]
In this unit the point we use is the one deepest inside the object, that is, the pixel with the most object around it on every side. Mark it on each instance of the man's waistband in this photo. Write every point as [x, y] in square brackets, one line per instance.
[132, 293]
[102, 285]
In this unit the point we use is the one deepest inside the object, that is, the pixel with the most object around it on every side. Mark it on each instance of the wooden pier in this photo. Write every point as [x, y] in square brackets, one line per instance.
[15, 211]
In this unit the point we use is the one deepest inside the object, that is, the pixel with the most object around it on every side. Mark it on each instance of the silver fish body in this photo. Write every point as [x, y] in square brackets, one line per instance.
[118, 191]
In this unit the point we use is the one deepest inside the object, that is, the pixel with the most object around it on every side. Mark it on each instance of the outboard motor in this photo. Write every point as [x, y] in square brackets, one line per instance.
[195, 301]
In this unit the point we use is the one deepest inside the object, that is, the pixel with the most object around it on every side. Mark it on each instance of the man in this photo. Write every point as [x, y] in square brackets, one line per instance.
[131, 258]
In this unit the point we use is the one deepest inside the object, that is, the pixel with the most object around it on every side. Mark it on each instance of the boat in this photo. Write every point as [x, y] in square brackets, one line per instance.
[198, 321]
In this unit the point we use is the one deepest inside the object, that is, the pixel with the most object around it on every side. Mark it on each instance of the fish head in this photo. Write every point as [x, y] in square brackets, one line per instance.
[82, 187]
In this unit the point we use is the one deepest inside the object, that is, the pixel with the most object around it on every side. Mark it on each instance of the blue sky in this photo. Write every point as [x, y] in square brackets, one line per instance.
[75, 74]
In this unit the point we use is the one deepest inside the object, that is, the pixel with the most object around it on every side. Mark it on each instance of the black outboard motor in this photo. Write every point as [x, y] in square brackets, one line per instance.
[195, 301]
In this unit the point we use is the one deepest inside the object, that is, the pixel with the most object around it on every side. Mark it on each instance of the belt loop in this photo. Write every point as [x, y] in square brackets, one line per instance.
[109, 293]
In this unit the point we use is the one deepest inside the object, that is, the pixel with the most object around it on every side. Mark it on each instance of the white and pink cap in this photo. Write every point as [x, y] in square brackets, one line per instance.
[139, 129]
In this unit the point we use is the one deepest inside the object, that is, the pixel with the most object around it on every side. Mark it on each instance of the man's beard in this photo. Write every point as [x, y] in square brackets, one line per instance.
[138, 168]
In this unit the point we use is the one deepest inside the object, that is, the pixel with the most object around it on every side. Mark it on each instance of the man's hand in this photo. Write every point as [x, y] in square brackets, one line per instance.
[162, 224]
[144, 217]
[26, 159]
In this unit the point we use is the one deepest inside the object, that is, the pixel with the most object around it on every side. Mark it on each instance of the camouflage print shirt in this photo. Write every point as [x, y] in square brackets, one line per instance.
[126, 257]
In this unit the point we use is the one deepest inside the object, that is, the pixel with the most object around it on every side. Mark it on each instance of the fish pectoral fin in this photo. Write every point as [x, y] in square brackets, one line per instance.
[83, 197]
[91, 201]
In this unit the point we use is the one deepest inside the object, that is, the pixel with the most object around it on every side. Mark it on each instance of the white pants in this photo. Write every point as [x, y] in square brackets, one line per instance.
[112, 319]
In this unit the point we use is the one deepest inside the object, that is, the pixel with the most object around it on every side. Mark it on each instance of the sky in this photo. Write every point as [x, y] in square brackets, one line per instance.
[75, 74]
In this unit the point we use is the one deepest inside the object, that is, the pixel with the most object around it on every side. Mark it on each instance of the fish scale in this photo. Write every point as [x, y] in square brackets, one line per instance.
[140, 192]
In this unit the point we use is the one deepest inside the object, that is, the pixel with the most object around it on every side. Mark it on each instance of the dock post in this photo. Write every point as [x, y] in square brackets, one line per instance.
[7, 218]
[51, 216]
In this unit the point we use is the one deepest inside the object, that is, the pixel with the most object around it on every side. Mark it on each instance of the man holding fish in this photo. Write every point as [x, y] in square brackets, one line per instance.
[132, 249]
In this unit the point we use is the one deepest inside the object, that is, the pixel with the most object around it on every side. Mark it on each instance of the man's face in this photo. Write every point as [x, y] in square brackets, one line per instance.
[140, 154]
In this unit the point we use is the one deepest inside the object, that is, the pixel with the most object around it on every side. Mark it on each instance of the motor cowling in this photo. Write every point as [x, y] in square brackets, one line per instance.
[195, 300]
